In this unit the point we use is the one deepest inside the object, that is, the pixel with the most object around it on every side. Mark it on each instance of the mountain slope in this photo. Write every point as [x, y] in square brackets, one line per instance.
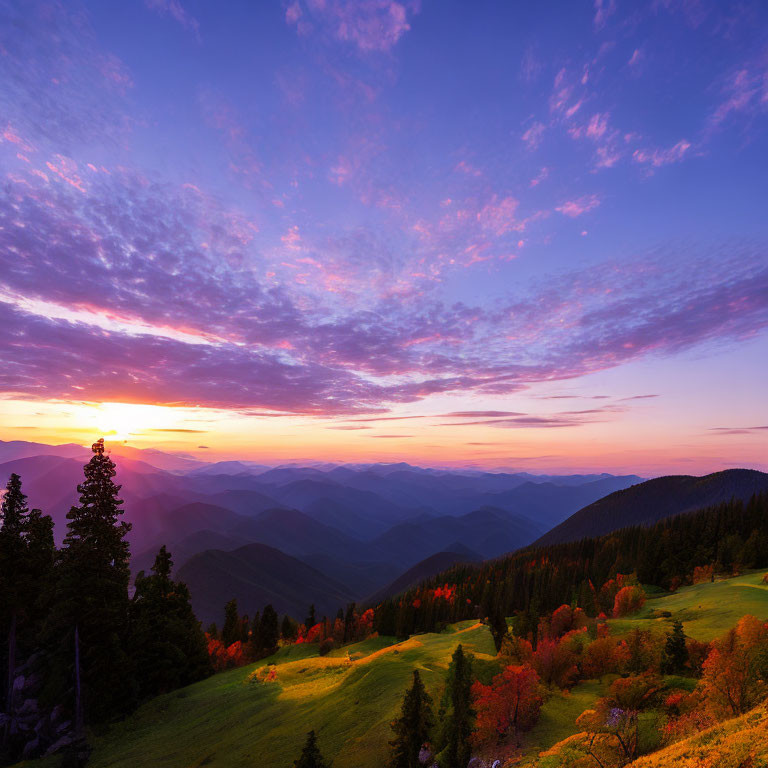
[295, 533]
[434, 564]
[654, 500]
[257, 575]
[489, 532]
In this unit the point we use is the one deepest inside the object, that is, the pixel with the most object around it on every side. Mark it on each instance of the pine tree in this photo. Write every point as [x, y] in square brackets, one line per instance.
[311, 620]
[675, 650]
[459, 717]
[91, 596]
[14, 513]
[38, 574]
[310, 755]
[269, 632]
[245, 629]
[230, 632]
[167, 642]
[498, 626]
[349, 623]
[288, 629]
[413, 728]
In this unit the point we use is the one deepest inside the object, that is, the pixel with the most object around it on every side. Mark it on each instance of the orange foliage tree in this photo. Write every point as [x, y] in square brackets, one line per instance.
[735, 670]
[703, 573]
[628, 600]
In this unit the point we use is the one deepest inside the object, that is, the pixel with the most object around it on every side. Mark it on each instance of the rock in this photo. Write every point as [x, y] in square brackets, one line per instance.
[63, 727]
[60, 744]
[31, 748]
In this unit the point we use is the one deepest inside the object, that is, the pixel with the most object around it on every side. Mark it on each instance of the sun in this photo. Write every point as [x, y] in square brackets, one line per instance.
[121, 421]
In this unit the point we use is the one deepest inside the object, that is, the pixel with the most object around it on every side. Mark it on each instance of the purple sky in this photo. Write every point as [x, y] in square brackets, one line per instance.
[535, 229]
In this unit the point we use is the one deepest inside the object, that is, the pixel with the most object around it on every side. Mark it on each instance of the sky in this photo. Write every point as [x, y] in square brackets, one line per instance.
[498, 234]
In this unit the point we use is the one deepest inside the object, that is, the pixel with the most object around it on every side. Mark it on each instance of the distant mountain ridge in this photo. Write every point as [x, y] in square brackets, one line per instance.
[257, 575]
[360, 526]
[653, 500]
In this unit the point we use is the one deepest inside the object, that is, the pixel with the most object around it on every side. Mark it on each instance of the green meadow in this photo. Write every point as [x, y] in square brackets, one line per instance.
[706, 610]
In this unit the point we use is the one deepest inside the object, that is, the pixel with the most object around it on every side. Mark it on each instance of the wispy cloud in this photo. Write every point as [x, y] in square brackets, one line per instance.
[370, 25]
[739, 430]
[660, 157]
[579, 207]
[177, 12]
[533, 135]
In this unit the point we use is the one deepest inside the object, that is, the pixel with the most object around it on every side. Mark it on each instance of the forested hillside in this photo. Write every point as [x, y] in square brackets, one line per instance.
[654, 500]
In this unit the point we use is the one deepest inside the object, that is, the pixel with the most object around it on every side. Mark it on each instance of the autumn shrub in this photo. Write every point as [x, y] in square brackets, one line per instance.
[628, 600]
[601, 657]
[226, 657]
[637, 692]
[555, 663]
[703, 574]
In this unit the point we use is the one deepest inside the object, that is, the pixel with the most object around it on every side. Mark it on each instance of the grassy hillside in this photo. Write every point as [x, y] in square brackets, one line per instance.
[351, 695]
[232, 719]
[706, 610]
[737, 743]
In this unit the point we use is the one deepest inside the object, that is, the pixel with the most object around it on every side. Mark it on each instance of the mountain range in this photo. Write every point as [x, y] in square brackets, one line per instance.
[329, 534]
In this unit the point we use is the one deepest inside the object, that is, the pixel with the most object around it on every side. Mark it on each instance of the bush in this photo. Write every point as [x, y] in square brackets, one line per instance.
[326, 646]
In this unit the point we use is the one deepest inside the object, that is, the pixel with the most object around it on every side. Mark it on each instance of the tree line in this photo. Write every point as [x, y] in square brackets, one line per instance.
[79, 646]
[529, 583]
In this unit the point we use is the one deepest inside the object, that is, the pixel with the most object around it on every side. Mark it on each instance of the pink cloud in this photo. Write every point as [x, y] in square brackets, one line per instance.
[603, 10]
[745, 90]
[660, 157]
[467, 168]
[498, 216]
[371, 25]
[542, 175]
[532, 137]
[115, 71]
[177, 12]
[582, 205]
[293, 13]
[10, 135]
[636, 59]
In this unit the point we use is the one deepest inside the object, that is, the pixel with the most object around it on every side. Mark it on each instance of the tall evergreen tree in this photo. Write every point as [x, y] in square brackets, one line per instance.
[168, 645]
[269, 632]
[91, 595]
[230, 632]
[288, 629]
[413, 728]
[498, 626]
[458, 716]
[310, 755]
[675, 650]
[311, 619]
[349, 623]
[14, 513]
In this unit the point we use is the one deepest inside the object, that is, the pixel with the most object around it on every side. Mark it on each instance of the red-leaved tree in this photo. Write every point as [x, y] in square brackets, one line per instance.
[510, 704]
